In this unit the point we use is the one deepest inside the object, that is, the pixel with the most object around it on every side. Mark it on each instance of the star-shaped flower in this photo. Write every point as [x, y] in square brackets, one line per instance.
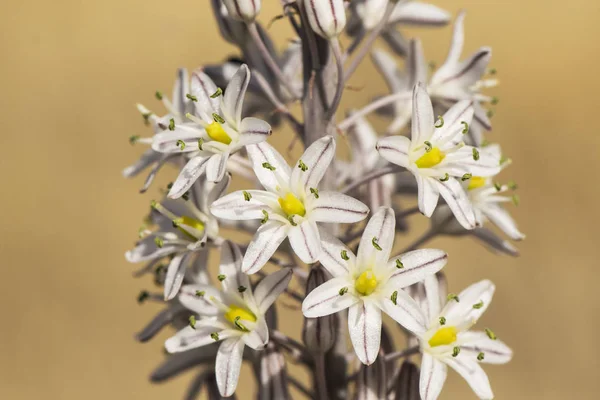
[438, 158]
[216, 131]
[448, 341]
[234, 315]
[291, 205]
[371, 282]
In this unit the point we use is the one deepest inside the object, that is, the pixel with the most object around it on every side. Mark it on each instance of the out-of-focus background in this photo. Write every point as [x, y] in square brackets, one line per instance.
[70, 74]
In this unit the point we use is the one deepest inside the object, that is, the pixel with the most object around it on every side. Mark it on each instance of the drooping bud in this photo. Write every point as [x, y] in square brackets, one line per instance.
[243, 10]
[372, 381]
[318, 334]
[407, 385]
[273, 375]
[327, 17]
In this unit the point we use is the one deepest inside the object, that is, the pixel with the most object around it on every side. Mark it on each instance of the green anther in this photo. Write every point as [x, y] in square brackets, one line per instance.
[455, 351]
[515, 199]
[181, 144]
[191, 97]
[480, 356]
[146, 117]
[497, 186]
[221, 277]
[217, 93]
[466, 129]
[428, 146]
[159, 95]
[466, 177]
[432, 65]
[492, 71]
[375, 244]
[268, 166]
[241, 289]
[490, 334]
[291, 219]
[452, 296]
[512, 185]
[445, 178]
[214, 336]
[344, 255]
[442, 320]
[153, 203]
[302, 166]
[218, 118]
[478, 305]
[315, 192]
[495, 100]
[440, 122]
[200, 293]
[485, 143]
[159, 242]
[247, 196]
[193, 321]
[266, 218]
[504, 159]
[490, 113]
[134, 139]
[475, 154]
[143, 296]
[394, 297]
[343, 291]
[399, 264]
[239, 325]
[200, 143]
[186, 196]
[171, 124]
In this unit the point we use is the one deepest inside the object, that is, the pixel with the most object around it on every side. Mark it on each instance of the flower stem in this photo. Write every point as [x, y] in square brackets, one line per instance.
[401, 354]
[337, 53]
[370, 176]
[427, 236]
[320, 380]
[377, 104]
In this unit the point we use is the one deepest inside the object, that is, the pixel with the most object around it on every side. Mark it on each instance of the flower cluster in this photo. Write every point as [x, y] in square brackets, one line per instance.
[341, 216]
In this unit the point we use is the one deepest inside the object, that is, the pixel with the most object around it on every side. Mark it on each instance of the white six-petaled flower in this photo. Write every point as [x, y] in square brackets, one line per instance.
[216, 131]
[438, 157]
[448, 341]
[234, 315]
[371, 282]
[291, 205]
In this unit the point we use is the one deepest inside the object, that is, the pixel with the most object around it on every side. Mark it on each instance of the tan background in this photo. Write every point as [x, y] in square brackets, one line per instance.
[70, 72]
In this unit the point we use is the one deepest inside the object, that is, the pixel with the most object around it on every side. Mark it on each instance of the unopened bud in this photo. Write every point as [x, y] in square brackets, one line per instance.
[319, 334]
[407, 385]
[273, 374]
[243, 10]
[326, 17]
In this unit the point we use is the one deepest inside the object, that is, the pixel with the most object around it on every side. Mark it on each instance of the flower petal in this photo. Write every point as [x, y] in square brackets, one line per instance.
[475, 376]
[461, 76]
[234, 206]
[146, 250]
[253, 131]
[175, 275]
[200, 304]
[416, 66]
[270, 287]
[266, 241]
[433, 376]
[202, 88]
[418, 265]
[422, 115]
[306, 241]
[228, 365]
[495, 351]
[326, 299]
[265, 153]
[148, 158]
[381, 230]
[451, 131]
[417, 13]
[406, 311]
[395, 149]
[364, 326]
[231, 267]
[170, 141]
[180, 89]
[502, 219]
[494, 242]
[331, 256]
[258, 337]
[190, 338]
[458, 201]
[463, 310]
[317, 158]
[462, 161]
[428, 195]
[458, 39]
[337, 207]
[188, 175]
[233, 100]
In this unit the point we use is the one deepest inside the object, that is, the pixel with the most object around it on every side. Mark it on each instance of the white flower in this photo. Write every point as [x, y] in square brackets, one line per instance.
[235, 315]
[448, 341]
[371, 282]
[291, 205]
[370, 13]
[326, 17]
[216, 131]
[184, 227]
[244, 10]
[437, 157]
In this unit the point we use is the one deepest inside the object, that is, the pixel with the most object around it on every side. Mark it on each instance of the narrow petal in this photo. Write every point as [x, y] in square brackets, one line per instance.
[190, 338]
[406, 311]
[253, 131]
[306, 241]
[270, 287]
[175, 275]
[146, 250]
[495, 351]
[417, 13]
[417, 265]
[233, 100]
[262, 153]
[502, 219]
[428, 195]
[331, 256]
[183, 139]
[465, 74]
[337, 207]
[234, 206]
[180, 89]
[458, 39]
[462, 161]
[433, 294]
[326, 299]
[231, 268]
[317, 158]
[479, 293]
[203, 88]
[422, 115]
[453, 127]
[188, 175]
[433, 376]
[494, 242]
[379, 231]
[395, 149]
[364, 327]
[415, 63]
[475, 376]
[216, 167]
[228, 365]
[266, 241]
[387, 66]
[458, 201]
[148, 158]
[196, 298]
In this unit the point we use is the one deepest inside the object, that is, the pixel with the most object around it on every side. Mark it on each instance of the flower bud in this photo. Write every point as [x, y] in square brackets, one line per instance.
[407, 385]
[318, 334]
[372, 382]
[243, 10]
[273, 375]
[327, 17]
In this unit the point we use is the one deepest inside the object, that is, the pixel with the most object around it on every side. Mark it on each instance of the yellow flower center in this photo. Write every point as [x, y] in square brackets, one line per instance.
[216, 132]
[191, 222]
[243, 314]
[366, 283]
[430, 159]
[476, 182]
[444, 336]
[291, 205]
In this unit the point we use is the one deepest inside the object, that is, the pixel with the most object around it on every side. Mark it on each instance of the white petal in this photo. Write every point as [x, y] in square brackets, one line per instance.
[463, 311]
[364, 326]
[433, 294]
[388, 67]
[337, 207]
[148, 158]
[475, 376]
[317, 158]
[395, 149]
[415, 63]
[428, 195]
[265, 153]
[233, 99]
[406, 311]
[190, 338]
[180, 89]
[422, 115]
[234, 206]
[203, 87]
[326, 299]
[231, 267]
[228, 365]
[146, 250]
[331, 255]
[458, 39]
[270, 287]
[170, 141]
[253, 131]
[418, 265]
[463, 75]
[306, 241]
[461, 162]
[188, 175]
[502, 219]
[458, 201]
[266, 241]
[495, 351]
[174, 276]
[417, 13]
[216, 167]
[453, 127]
[199, 304]
[382, 227]
[433, 376]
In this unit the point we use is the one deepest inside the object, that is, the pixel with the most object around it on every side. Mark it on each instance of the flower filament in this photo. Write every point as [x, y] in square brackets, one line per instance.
[216, 132]
[431, 158]
[366, 283]
[291, 205]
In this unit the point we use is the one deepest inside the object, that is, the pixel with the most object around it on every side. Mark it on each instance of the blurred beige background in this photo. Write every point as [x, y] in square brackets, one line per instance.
[70, 73]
